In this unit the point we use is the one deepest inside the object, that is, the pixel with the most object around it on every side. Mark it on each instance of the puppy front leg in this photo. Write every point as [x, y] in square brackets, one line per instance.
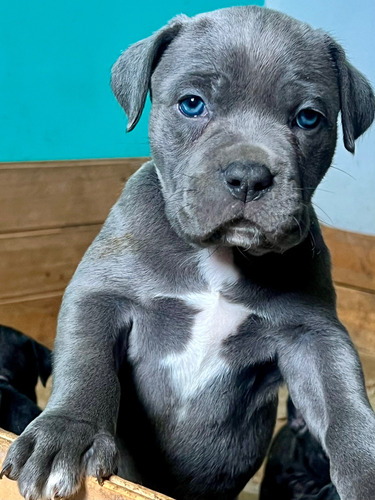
[321, 368]
[74, 436]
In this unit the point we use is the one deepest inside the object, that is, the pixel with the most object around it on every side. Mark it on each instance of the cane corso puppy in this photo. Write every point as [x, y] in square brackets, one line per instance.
[209, 284]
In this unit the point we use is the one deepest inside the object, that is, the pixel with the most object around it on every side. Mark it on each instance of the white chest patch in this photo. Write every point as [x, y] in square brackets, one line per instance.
[201, 362]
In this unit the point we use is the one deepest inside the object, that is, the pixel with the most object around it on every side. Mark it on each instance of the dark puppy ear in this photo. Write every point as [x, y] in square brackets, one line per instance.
[131, 74]
[357, 99]
[43, 358]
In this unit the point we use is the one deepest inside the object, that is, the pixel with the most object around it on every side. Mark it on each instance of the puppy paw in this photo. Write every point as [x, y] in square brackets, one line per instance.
[52, 456]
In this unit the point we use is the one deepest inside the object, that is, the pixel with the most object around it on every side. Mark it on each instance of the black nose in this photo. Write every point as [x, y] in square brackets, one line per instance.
[248, 181]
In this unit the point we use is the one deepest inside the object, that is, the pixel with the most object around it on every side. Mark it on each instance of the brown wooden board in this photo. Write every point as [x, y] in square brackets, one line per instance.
[353, 258]
[356, 309]
[39, 195]
[35, 316]
[41, 261]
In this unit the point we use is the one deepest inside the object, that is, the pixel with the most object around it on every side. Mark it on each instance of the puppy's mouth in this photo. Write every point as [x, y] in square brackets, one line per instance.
[252, 239]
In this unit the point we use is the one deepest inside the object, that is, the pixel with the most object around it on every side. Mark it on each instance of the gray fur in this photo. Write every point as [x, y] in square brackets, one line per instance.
[191, 307]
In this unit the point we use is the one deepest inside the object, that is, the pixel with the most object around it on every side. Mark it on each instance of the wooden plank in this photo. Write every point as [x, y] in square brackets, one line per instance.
[356, 309]
[115, 488]
[36, 316]
[368, 364]
[38, 195]
[41, 261]
[353, 257]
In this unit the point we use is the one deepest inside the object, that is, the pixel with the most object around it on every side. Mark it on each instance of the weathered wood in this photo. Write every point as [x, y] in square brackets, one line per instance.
[41, 261]
[353, 258]
[39, 195]
[356, 309]
[35, 316]
[368, 364]
[115, 488]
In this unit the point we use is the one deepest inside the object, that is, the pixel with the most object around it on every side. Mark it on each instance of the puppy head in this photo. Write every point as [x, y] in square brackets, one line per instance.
[244, 121]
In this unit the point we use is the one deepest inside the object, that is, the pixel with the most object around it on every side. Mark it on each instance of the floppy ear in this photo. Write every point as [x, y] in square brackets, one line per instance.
[131, 74]
[357, 99]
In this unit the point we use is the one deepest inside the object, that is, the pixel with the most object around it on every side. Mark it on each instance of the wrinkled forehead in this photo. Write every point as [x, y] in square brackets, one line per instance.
[259, 52]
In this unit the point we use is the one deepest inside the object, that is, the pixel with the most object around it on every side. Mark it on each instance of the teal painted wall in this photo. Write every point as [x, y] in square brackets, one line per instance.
[55, 60]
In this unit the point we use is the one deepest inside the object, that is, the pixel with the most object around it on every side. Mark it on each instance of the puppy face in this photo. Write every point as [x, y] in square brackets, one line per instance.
[250, 93]
[243, 125]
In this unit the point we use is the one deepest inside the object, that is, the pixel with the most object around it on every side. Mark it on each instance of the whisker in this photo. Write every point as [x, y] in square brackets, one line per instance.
[179, 192]
[215, 249]
[313, 242]
[324, 222]
[325, 190]
[243, 253]
[344, 172]
[189, 176]
[324, 212]
[299, 226]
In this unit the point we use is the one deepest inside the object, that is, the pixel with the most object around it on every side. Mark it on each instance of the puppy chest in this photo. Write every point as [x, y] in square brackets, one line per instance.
[200, 360]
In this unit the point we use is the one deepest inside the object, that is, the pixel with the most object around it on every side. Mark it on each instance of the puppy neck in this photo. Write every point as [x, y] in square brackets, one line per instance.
[217, 267]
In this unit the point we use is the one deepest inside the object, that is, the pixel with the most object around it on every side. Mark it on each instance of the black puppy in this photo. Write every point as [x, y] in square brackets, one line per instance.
[297, 467]
[22, 361]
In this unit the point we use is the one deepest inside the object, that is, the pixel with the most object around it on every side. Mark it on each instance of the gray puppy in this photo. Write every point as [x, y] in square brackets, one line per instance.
[209, 284]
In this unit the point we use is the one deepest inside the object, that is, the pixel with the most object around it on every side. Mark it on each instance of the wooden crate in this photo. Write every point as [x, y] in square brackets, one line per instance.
[51, 211]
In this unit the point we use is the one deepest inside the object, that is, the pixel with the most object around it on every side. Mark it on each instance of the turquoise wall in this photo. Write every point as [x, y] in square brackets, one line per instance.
[55, 60]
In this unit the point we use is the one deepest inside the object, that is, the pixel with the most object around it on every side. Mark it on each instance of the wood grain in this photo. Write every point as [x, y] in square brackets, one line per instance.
[34, 315]
[39, 195]
[41, 261]
[356, 309]
[353, 258]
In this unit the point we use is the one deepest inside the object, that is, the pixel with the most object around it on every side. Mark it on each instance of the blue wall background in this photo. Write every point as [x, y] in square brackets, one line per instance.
[56, 102]
[55, 62]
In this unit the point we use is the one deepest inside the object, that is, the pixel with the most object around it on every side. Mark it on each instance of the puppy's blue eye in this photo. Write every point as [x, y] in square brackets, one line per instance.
[192, 106]
[308, 119]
